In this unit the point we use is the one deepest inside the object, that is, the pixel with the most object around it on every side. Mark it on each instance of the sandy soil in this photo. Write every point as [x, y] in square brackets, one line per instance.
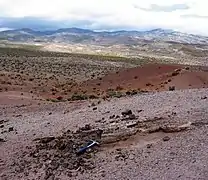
[167, 138]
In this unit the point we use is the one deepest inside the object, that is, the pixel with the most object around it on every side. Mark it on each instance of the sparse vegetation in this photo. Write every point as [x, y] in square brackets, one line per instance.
[116, 94]
[131, 92]
[172, 88]
[76, 97]
[93, 97]
[119, 88]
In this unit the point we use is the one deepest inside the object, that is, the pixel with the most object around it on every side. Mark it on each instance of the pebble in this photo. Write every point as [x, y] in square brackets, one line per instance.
[204, 97]
[126, 112]
[2, 140]
[132, 116]
[95, 108]
[149, 146]
[166, 138]
[11, 129]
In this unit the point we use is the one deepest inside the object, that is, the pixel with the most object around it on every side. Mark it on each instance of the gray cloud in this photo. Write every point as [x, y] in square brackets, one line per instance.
[158, 8]
[41, 23]
[46, 24]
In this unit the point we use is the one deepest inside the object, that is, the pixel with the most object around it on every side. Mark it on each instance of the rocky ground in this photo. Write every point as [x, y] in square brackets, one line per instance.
[162, 136]
[150, 122]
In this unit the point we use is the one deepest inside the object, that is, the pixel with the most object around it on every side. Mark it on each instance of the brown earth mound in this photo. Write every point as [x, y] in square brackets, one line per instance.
[154, 77]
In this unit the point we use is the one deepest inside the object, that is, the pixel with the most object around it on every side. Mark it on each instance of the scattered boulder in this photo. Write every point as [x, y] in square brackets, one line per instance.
[3, 121]
[166, 138]
[95, 108]
[204, 97]
[126, 112]
[111, 117]
[87, 127]
[11, 129]
[176, 72]
[2, 140]
[18, 115]
[132, 116]
[149, 146]
[53, 155]
[98, 121]
[93, 104]
[59, 98]
[171, 88]
[174, 113]
[140, 110]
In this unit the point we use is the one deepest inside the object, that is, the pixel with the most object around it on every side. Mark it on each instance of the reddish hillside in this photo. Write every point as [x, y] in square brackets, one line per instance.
[154, 77]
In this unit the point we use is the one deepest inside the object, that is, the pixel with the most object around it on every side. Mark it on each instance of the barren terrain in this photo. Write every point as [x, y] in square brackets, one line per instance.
[149, 118]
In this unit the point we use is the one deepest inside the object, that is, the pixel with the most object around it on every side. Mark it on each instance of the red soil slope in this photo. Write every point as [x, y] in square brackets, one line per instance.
[154, 77]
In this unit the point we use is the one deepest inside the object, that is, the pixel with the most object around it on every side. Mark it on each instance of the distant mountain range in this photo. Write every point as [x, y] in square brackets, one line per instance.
[86, 36]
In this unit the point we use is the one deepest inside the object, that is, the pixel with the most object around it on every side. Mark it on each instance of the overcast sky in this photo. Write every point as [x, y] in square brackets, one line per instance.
[184, 15]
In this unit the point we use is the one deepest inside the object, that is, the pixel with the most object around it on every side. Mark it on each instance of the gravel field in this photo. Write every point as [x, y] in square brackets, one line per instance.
[166, 139]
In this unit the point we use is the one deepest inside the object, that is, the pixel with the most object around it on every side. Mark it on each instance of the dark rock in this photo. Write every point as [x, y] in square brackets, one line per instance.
[1, 126]
[95, 108]
[19, 115]
[117, 117]
[166, 138]
[139, 110]
[158, 118]
[98, 121]
[174, 113]
[2, 140]
[172, 88]
[59, 98]
[117, 128]
[103, 174]
[112, 121]
[149, 146]
[93, 104]
[11, 129]
[2, 121]
[50, 113]
[111, 117]
[204, 97]
[87, 127]
[126, 112]
[107, 112]
[132, 116]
